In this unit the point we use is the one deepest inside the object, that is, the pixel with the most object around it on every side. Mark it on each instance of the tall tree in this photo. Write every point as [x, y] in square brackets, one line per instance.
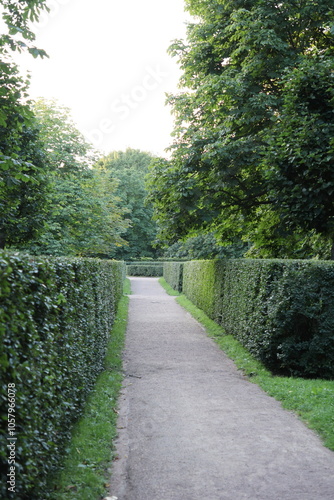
[85, 214]
[130, 168]
[68, 151]
[17, 16]
[22, 179]
[241, 63]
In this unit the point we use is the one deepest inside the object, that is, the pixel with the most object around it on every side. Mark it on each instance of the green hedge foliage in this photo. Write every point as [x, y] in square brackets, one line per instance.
[55, 320]
[173, 274]
[202, 284]
[282, 311]
[148, 269]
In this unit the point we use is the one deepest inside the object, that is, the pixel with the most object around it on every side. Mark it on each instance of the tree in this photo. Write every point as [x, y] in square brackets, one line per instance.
[68, 151]
[17, 15]
[301, 152]
[204, 246]
[22, 181]
[85, 216]
[130, 168]
[230, 148]
[24, 186]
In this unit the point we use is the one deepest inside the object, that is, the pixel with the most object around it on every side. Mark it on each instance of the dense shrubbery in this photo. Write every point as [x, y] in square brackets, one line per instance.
[173, 274]
[281, 310]
[202, 282]
[56, 317]
[145, 268]
[205, 246]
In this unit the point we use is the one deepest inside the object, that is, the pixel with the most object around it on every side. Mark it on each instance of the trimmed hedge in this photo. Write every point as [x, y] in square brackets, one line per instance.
[55, 320]
[146, 269]
[173, 274]
[282, 311]
[202, 284]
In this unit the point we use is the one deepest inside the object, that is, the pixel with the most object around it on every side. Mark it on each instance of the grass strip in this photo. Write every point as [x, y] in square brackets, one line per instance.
[167, 287]
[312, 400]
[86, 469]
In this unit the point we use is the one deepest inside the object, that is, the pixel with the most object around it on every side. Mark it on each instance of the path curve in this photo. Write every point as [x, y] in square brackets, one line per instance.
[192, 427]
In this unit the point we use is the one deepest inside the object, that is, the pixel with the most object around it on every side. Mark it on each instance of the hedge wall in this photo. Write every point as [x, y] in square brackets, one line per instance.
[281, 310]
[148, 269]
[173, 274]
[202, 284]
[55, 320]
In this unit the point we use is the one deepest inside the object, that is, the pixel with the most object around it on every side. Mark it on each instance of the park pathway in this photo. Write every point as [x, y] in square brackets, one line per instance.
[191, 427]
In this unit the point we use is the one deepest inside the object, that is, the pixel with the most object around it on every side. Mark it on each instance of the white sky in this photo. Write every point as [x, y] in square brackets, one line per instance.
[109, 64]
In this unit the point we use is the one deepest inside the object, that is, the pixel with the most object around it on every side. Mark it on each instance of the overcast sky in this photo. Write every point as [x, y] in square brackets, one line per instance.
[109, 64]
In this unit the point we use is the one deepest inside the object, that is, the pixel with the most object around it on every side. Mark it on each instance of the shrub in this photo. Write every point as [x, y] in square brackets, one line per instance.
[55, 319]
[282, 311]
[173, 274]
[148, 269]
[202, 284]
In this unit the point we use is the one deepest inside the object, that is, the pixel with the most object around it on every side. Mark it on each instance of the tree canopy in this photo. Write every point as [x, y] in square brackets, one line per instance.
[22, 180]
[252, 155]
[130, 168]
[85, 216]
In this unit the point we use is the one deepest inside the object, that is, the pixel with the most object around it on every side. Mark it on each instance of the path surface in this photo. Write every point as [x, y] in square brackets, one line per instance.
[192, 427]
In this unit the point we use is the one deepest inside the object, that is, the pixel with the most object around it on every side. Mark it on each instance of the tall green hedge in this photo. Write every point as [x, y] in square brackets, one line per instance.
[144, 268]
[56, 316]
[202, 284]
[173, 274]
[281, 310]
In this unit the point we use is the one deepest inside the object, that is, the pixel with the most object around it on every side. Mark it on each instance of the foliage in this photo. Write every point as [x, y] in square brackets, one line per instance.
[257, 94]
[17, 17]
[84, 217]
[130, 168]
[85, 470]
[205, 246]
[281, 311]
[23, 186]
[271, 238]
[169, 289]
[56, 317]
[68, 151]
[300, 173]
[144, 269]
[203, 282]
[173, 275]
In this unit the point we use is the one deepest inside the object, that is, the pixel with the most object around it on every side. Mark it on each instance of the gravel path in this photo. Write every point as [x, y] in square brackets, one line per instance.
[191, 427]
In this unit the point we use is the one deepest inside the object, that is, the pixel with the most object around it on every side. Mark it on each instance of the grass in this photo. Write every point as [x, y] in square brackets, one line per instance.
[311, 400]
[90, 453]
[167, 287]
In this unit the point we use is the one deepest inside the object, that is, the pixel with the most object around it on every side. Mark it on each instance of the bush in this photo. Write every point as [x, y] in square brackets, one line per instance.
[202, 284]
[282, 311]
[148, 269]
[55, 320]
[173, 274]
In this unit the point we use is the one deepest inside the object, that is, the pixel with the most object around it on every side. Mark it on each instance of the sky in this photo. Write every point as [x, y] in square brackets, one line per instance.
[108, 63]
